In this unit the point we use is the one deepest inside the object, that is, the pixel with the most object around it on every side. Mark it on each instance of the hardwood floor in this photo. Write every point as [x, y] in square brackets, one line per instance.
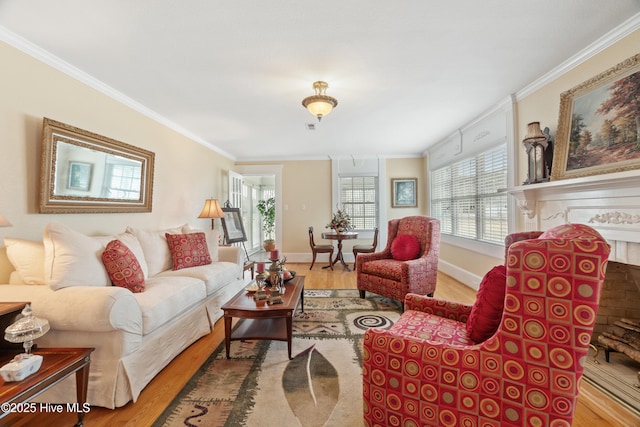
[594, 408]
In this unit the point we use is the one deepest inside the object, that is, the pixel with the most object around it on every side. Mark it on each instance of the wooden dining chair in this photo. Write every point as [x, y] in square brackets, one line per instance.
[319, 249]
[365, 249]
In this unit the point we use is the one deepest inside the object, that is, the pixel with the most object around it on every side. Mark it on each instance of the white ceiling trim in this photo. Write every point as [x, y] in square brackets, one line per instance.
[608, 40]
[42, 55]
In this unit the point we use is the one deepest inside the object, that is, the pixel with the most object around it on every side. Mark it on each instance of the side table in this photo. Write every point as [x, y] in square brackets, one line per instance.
[57, 364]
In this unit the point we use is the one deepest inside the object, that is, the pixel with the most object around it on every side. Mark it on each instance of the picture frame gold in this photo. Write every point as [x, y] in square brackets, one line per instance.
[404, 192]
[597, 133]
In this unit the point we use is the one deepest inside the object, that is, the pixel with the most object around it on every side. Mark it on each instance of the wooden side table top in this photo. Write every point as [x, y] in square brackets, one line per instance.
[57, 364]
[10, 307]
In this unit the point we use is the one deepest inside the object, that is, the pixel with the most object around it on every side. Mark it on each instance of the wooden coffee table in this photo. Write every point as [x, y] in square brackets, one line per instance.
[262, 320]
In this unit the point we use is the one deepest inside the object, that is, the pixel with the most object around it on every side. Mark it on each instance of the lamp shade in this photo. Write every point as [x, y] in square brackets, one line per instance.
[320, 104]
[534, 134]
[211, 209]
[4, 222]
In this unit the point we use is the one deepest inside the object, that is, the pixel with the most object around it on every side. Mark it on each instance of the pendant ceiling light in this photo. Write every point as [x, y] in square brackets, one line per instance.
[320, 104]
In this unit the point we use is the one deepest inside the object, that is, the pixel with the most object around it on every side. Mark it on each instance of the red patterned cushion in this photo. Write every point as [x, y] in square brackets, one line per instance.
[123, 267]
[188, 250]
[431, 327]
[486, 313]
[405, 247]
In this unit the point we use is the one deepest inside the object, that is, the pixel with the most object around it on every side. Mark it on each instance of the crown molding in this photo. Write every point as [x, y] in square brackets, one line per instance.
[612, 37]
[53, 61]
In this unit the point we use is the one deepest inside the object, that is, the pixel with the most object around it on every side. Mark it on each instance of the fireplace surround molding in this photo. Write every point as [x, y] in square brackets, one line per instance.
[609, 203]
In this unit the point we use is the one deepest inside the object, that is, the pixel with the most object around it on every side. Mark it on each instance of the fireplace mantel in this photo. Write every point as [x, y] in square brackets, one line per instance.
[609, 203]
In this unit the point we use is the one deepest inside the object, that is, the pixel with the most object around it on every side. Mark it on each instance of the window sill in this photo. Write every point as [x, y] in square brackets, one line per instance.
[491, 249]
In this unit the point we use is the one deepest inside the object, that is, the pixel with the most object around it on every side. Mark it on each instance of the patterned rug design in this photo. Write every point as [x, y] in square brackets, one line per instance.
[259, 386]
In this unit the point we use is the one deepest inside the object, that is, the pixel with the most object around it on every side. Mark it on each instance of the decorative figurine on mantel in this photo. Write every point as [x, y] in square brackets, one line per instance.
[539, 149]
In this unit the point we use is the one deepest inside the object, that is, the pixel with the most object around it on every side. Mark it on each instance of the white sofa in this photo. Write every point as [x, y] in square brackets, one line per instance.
[135, 335]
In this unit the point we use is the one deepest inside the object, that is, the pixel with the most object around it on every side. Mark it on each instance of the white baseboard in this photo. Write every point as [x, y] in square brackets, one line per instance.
[320, 258]
[469, 279]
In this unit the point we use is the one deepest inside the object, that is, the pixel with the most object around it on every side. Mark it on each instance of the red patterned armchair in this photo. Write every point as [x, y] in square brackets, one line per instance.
[427, 371]
[405, 265]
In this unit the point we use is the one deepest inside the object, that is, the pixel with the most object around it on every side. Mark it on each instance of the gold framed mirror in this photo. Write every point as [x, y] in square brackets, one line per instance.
[83, 172]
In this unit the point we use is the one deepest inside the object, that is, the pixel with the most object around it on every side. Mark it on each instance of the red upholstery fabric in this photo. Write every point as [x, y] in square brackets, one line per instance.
[188, 250]
[486, 313]
[405, 247]
[526, 374]
[123, 267]
[381, 274]
[423, 326]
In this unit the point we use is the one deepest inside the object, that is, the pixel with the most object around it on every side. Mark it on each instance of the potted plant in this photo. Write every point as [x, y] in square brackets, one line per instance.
[267, 209]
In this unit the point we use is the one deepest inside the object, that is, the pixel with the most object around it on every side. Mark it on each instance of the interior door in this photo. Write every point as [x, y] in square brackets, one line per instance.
[235, 189]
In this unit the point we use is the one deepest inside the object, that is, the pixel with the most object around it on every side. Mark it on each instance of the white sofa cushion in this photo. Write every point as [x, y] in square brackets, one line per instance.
[155, 248]
[165, 298]
[27, 258]
[215, 275]
[72, 259]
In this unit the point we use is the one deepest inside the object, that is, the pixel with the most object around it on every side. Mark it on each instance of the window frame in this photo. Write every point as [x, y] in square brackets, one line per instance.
[492, 248]
[376, 203]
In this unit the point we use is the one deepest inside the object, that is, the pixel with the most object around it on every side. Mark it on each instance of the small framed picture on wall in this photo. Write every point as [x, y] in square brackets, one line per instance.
[79, 176]
[404, 192]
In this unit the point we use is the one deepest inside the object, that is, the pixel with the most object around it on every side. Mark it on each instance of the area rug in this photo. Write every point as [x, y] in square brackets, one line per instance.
[260, 386]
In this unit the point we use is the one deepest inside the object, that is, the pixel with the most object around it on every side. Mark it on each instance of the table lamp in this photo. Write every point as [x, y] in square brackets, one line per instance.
[211, 210]
[24, 330]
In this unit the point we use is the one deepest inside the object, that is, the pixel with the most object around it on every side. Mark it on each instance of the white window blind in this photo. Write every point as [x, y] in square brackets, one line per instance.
[359, 198]
[123, 181]
[465, 197]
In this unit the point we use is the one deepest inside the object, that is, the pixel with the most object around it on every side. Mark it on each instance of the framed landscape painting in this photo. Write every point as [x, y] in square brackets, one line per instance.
[404, 193]
[598, 126]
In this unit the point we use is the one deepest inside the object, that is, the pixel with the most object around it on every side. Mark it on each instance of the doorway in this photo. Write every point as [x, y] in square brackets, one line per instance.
[248, 185]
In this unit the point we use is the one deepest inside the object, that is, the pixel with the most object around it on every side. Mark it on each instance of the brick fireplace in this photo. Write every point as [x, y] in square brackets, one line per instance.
[620, 296]
[610, 203]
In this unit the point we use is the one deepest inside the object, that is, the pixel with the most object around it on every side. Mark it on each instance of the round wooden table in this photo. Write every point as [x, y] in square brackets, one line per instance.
[334, 235]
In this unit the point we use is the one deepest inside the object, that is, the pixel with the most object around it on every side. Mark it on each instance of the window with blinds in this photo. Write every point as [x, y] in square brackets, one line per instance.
[465, 197]
[359, 198]
[123, 181]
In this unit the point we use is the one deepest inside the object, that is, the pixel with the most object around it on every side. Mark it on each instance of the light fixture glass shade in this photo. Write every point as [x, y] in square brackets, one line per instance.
[320, 104]
[4, 222]
[26, 329]
[211, 209]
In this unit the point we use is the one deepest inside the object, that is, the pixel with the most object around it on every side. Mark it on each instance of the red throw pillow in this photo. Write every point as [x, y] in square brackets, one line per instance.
[486, 313]
[188, 250]
[405, 247]
[123, 267]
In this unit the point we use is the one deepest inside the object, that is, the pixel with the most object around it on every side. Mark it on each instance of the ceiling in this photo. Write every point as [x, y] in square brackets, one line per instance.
[232, 74]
